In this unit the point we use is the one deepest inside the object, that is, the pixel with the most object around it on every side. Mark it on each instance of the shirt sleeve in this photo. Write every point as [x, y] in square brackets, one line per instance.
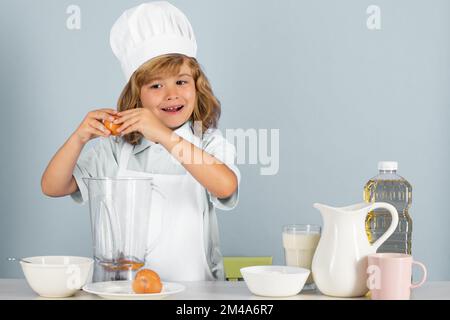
[216, 145]
[98, 161]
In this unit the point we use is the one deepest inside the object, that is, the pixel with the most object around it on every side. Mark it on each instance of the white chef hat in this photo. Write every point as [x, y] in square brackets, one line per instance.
[150, 30]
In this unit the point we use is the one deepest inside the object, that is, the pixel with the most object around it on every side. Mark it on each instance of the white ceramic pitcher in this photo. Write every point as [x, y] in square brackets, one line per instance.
[340, 261]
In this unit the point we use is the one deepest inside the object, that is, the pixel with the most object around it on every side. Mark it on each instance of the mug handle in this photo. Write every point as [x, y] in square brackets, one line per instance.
[424, 269]
[392, 227]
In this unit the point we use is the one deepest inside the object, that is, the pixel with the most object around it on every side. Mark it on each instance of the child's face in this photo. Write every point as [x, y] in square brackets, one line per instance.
[171, 92]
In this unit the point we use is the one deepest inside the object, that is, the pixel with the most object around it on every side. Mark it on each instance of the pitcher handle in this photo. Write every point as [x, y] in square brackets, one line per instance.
[156, 240]
[392, 227]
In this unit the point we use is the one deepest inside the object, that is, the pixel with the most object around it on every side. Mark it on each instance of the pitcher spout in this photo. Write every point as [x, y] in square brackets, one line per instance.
[323, 208]
[320, 206]
[352, 208]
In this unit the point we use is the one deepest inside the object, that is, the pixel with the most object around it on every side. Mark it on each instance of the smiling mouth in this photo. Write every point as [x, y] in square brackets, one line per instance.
[173, 109]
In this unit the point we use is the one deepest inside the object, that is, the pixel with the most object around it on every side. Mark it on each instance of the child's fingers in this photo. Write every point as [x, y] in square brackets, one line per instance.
[124, 128]
[129, 129]
[102, 115]
[98, 128]
[124, 118]
[98, 133]
[129, 111]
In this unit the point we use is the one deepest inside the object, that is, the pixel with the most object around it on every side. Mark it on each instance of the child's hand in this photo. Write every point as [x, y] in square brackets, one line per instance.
[142, 120]
[92, 125]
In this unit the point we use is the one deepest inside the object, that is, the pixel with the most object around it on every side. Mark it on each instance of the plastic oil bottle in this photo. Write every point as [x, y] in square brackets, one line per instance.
[389, 187]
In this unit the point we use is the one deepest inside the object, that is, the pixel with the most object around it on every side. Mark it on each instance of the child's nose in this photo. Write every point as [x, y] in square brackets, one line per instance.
[172, 94]
[172, 97]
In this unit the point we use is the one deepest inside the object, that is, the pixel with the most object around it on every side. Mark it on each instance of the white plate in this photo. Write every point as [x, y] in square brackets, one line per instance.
[123, 290]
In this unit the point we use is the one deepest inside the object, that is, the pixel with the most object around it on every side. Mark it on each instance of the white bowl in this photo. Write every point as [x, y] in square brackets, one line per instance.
[57, 276]
[275, 281]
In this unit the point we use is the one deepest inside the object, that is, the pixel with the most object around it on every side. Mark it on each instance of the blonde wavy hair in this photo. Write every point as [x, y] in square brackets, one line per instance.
[207, 106]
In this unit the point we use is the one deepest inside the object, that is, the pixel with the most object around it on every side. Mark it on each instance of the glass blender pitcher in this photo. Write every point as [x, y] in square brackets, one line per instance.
[125, 224]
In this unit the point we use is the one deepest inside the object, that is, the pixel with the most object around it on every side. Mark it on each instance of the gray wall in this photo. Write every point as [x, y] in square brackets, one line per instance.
[342, 96]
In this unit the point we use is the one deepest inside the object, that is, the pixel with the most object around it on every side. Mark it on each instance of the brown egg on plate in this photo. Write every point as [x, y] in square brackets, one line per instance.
[147, 281]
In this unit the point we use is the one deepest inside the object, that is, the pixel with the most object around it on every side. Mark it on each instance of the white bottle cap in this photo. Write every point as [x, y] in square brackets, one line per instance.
[388, 165]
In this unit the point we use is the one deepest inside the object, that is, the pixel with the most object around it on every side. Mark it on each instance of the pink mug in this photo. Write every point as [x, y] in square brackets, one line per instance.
[390, 276]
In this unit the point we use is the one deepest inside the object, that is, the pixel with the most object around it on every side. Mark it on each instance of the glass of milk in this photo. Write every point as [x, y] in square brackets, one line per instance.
[300, 242]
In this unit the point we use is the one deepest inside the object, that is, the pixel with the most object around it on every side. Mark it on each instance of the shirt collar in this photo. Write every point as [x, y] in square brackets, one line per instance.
[184, 131]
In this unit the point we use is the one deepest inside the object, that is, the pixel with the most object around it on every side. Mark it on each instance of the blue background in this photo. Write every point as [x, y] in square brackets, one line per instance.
[342, 96]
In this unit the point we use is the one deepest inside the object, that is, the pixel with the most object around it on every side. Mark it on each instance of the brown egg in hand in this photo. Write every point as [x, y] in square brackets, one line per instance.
[147, 281]
[112, 126]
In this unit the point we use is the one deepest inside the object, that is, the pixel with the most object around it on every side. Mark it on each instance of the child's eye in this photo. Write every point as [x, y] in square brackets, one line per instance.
[155, 86]
[181, 82]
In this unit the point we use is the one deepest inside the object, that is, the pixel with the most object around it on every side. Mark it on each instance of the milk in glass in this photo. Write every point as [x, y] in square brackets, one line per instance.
[300, 242]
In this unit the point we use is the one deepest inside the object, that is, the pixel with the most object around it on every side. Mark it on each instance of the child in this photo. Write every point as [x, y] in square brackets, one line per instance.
[166, 96]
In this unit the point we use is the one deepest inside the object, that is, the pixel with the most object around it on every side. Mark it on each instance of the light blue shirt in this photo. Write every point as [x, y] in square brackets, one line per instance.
[102, 161]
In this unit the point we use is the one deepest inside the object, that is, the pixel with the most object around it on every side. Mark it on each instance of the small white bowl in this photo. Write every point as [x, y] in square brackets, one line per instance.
[57, 276]
[275, 281]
